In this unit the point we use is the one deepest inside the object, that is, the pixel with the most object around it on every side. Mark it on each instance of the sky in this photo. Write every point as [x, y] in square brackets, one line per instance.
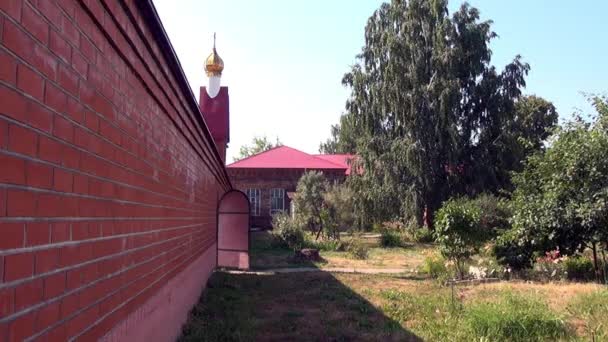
[284, 59]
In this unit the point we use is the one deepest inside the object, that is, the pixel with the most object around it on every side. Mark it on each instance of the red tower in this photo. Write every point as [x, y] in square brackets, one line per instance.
[214, 102]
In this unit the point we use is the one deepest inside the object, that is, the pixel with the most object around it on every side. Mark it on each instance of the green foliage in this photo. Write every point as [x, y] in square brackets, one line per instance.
[515, 318]
[494, 213]
[309, 199]
[390, 239]
[258, 145]
[579, 268]
[423, 235]
[429, 116]
[357, 249]
[287, 232]
[561, 196]
[512, 251]
[458, 233]
[435, 266]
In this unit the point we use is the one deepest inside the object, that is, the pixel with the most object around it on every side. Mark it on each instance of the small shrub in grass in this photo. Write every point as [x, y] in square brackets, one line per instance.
[579, 268]
[330, 245]
[435, 266]
[515, 318]
[357, 249]
[390, 239]
[287, 231]
[423, 235]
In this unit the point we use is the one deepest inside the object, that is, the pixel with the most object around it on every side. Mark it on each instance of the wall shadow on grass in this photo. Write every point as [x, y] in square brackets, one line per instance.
[287, 307]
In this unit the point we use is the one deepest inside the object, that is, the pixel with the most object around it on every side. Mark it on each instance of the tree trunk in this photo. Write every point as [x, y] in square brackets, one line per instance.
[604, 264]
[319, 232]
[595, 266]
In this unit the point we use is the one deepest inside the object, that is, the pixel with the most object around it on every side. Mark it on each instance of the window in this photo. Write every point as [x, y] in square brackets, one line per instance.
[277, 200]
[254, 201]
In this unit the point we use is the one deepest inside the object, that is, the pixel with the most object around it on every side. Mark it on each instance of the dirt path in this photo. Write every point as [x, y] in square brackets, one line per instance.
[315, 269]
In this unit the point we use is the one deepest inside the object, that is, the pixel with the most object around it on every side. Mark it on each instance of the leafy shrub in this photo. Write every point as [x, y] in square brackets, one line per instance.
[512, 251]
[457, 232]
[357, 249]
[494, 213]
[549, 267]
[287, 231]
[422, 235]
[435, 266]
[579, 268]
[488, 267]
[515, 318]
[390, 239]
[331, 245]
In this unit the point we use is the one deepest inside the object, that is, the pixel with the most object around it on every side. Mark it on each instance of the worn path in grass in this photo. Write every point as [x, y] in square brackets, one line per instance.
[316, 269]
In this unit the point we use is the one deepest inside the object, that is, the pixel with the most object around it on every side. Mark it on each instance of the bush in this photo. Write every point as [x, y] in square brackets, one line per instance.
[458, 233]
[390, 239]
[435, 266]
[423, 235]
[515, 318]
[579, 268]
[357, 249]
[494, 214]
[287, 232]
[331, 245]
[512, 251]
[549, 267]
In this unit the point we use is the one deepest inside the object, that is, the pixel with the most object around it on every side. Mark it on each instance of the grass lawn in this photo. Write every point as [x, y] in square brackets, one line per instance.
[347, 307]
[264, 256]
[324, 306]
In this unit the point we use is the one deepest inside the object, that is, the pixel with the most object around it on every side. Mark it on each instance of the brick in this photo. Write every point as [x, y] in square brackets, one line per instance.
[55, 98]
[37, 233]
[50, 11]
[47, 260]
[81, 321]
[60, 46]
[91, 120]
[13, 235]
[39, 175]
[17, 40]
[20, 203]
[22, 140]
[48, 315]
[12, 8]
[3, 134]
[44, 61]
[80, 231]
[28, 294]
[34, 23]
[63, 180]
[73, 279]
[81, 184]
[30, 82]
[79, 64]
[87, 49]
[22, 327]
[7, 301]
[39, 117]
[50, 150]
[69, 255]
[14, 105]
[68, 80]
[2, 203]
[18, 266]
[63, 129]
[56, 334]
[75, 110]
[60, 232]
[54, 285]
[8, 68]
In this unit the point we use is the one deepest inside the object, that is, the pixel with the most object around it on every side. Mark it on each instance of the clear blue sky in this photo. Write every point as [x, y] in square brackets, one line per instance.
[285, 58]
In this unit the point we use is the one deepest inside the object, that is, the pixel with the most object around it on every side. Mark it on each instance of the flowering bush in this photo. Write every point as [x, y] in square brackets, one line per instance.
[550, 267]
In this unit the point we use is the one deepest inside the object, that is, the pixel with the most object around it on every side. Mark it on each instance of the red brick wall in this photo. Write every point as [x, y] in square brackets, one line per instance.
[266, 179]
[108, 177]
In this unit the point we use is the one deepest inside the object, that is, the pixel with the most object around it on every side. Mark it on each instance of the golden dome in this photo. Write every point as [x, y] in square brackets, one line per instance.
[214, 65]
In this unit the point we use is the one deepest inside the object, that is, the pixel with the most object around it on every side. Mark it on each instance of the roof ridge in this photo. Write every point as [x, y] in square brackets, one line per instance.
[257, 154]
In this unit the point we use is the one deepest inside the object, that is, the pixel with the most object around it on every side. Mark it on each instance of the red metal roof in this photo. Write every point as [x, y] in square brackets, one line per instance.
[284, 157]
[340, 159]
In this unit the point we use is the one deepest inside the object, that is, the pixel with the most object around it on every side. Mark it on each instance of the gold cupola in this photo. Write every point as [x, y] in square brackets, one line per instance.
[214, 65]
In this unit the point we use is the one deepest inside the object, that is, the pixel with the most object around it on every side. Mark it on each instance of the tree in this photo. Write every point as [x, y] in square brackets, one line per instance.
[458, 232]
[561, 196]
[428, 115]
[309, 199]
[258, 145]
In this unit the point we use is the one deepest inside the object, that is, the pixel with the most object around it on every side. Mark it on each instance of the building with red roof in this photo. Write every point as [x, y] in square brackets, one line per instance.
[270, 178]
